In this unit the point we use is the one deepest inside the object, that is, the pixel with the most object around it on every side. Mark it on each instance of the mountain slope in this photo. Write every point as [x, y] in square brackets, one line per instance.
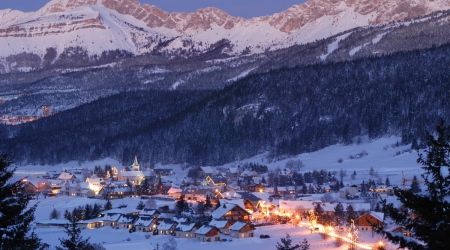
[285, 112]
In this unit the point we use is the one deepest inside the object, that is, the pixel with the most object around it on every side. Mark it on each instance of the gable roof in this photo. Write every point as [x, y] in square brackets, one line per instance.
[111, 217]
[144, 221]
[166, 225]
[238, 225]
[205, 229]
[65, 176]
[219, 223]
[225, 208]
[130, 219]
[207, 170]
[149, 212]
[185, 226]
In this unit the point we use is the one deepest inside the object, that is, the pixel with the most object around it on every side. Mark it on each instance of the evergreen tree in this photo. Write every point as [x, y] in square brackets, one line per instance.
[364, 189]
[339, 212]
[15, 218]
[304, 245]
[350, 212]
[430, 222]
[108, 205]
[88, 209]
[201, 208]
[180, 206]
[388, 182]
[66, 214]
[55, 214]
[415, 186]
[286, 244]
[75, 241]
[304, 189]
[96, 210]
[208, 204]
[140, 205]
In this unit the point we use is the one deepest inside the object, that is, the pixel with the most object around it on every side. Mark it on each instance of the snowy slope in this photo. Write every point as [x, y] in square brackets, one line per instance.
[100, 25]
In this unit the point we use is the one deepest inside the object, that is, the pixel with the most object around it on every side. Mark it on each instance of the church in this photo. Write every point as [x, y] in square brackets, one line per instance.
[136, 176]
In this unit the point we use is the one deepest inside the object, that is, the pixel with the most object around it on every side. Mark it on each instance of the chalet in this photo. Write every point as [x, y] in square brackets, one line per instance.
[242, 229]
[111, 219]
[249, 173]
[365, 222]
[382, 189]
[231, 212]
[154, 213]
[66, 176]
[145, 224]
[251, 202]
[127, 221]
[166, 227]
[207, 234]
[222, 225]
[80, 189]
[115, 193]
[95, 183]
[208, 171]
[174, 192]
[186, 230]
[35, 186]
[55, 186]
[234, 171]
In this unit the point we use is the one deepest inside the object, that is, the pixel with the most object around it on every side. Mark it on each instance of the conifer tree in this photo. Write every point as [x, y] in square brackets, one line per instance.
[15, 218]
[415, 186]
[426, 216]
[75, 241]
[286, 244]
[108, 205]
[208, 204]
[339, 212]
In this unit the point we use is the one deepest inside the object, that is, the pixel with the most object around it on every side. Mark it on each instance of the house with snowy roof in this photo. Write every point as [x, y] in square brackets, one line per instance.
[127, 221]
[180, 219]
[145, 224]
[186, 230]
[154, 213]
[232, 212]
[208, 171]
[222, 225]
[348, 192]
[365, 222]
[242, 229]
[110, 219]
[166, 227]
[66, 176]
[207, 234]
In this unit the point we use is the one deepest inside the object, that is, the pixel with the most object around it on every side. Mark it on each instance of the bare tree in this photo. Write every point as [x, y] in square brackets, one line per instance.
[150, 204]
[295, 165]
[171, 244]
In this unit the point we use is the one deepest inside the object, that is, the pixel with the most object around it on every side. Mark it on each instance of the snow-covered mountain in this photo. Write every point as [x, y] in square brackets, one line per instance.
[107, 25]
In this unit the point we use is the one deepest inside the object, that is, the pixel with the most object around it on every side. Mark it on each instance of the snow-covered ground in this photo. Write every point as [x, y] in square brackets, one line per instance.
[382, 156]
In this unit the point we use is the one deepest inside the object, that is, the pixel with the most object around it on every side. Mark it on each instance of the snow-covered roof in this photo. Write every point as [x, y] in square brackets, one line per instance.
[239, 202]
[233, 170]
[111, 217]
[204, 229]
[378, 215]
[218, 223]
[180, 219]
[238, 225]
[174, 190]
[65, 176]
[185, 226]
[149, 212]
[129, 219]
[144, 221]
[223, 209]
[207, 170]
[166, 225]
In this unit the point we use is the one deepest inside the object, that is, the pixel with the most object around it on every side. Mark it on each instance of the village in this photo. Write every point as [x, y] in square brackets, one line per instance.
[211, 203]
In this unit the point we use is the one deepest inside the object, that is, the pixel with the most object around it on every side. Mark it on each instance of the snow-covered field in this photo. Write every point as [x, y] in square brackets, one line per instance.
[382, 156]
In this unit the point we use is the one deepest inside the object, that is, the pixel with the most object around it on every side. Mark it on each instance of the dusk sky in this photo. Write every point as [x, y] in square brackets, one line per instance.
[242, 8]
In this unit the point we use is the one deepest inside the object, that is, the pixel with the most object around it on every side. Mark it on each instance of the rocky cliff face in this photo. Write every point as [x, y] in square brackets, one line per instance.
[377, 11]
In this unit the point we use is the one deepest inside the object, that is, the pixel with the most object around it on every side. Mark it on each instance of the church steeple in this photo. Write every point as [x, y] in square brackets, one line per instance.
[135, 166]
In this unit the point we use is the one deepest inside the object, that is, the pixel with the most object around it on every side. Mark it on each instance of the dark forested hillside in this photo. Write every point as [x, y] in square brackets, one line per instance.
[287, 111]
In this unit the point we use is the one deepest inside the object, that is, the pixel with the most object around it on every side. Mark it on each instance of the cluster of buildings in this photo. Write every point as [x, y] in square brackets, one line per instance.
[229, 219]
